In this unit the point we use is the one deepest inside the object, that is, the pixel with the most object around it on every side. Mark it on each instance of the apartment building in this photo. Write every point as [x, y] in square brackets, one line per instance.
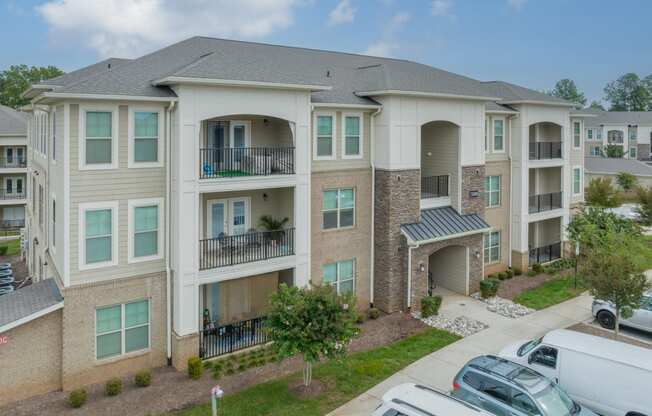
[180, 189]
[13, 168]
[629, 130]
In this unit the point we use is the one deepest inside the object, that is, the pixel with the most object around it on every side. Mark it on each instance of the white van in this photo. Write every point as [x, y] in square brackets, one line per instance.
[609, 377]
[416, 400]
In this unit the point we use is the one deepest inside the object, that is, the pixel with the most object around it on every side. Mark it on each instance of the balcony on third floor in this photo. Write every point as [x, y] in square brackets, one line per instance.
[545, 141]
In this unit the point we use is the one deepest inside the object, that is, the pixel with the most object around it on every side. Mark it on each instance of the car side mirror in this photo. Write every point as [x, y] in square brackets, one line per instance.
[530, 359]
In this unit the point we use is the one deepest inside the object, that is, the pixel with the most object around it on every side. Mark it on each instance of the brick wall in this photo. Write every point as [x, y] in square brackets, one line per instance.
[473, 190]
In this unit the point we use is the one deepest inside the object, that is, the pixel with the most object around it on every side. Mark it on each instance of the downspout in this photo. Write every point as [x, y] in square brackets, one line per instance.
[372, 158]
[168, 279]
[511, 197]
[409, 280]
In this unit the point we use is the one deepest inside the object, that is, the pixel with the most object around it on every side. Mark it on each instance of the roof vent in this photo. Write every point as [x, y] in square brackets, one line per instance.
[328, 73]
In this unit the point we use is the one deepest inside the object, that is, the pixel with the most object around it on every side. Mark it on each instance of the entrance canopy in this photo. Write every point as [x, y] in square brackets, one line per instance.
[443, 223]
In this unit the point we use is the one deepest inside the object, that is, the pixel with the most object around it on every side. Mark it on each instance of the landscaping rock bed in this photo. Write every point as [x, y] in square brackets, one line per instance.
[504, 307]
[462, 326]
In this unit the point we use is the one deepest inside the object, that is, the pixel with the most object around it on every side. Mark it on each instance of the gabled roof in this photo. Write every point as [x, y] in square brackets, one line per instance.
[27, 303]
[624, 118]
[512, 93]
[613, 166]
[12, 122]
[83, 73]
[442, 223]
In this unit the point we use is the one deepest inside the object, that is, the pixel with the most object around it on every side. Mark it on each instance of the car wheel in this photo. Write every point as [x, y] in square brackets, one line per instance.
[607, 319]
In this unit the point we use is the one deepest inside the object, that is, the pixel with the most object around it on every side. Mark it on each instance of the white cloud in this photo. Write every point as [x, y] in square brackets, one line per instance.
[516, 4]
[129, 28]
[342, 13]
[387, 45]
[441, 7]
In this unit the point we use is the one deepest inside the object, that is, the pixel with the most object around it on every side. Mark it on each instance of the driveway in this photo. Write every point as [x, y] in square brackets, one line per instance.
[439, 368]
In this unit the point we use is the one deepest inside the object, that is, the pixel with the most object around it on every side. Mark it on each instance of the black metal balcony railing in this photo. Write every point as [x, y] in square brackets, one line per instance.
[434, 186]
[545, 202]
[245, 248]
[245, 161]
[545, 150]
[12, 194]
[545, 254]
[217, 340]
[11, 224]
[13, 162]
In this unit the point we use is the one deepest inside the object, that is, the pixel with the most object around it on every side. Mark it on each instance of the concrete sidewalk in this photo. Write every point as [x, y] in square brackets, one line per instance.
[439, 368]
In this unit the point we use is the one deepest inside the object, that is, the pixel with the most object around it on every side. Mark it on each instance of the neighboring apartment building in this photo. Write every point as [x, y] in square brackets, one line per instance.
[13, 168]
[631, 130]
[148, 193]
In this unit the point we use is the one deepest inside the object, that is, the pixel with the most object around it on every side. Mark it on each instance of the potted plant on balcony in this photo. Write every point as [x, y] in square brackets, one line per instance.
[274, 226]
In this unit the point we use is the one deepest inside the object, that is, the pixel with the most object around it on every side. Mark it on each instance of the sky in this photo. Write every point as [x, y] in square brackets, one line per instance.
[533, 43]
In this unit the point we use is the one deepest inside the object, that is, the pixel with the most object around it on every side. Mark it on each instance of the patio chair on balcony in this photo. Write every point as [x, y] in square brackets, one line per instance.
[252, 238]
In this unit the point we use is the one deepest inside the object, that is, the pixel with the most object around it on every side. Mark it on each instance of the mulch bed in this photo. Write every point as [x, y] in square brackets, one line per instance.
[511, 288]
[173, 390]
[604, 333]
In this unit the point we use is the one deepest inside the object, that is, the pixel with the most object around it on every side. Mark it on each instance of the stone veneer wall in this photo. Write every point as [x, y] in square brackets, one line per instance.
[473, 182]
[397, 199]
[419, 286]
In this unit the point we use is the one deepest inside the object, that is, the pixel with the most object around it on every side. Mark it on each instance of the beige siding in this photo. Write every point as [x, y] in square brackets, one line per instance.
[507, 131]
[339, 163]
[545, 180]
[265, 131]
[498, 217]
[440, 154]
[542, 233]
[448, 268]
[57, 187]
[120, 185]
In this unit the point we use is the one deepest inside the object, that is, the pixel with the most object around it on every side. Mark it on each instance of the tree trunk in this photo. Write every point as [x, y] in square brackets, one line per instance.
[307, 373]
[617, 328]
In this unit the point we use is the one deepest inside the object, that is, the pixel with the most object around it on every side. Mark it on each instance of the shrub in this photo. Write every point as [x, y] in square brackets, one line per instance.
[538, 268]
[77, 398]
[373, 313]
[430, 305]
[517, 271]
[493, 276]
[626, 180]
[509, 273]
[3, 250]
[113, 387]
[501, 275]
[601, 193]
[644, 209]
[143, 379]
[359, 319]
[195, 368]
[489, 287]
[532, 273]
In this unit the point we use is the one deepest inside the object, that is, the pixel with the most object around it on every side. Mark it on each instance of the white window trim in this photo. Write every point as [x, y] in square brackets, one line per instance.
[53, 136]
[338, 209]
[338, 281]
[360, 115]
[634, 149]
[485, 249]
[333, 155]
[132, 205]
[131, 163]
[579, 135]
[500, 192]
[232, 125]
[122, 331]
[113, 206]
[590, 134]
[576, 167]
[54, 223]
[114, 137]
[493, 134]
[228, 213]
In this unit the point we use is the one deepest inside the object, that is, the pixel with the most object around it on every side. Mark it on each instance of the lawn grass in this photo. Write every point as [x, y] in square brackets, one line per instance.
[550, 293]
[646, 255]
[13, 246]
[344, 380]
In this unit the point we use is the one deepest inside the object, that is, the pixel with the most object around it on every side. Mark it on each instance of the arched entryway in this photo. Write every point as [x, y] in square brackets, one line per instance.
[545, 141]
[440, 152]
[448, 268]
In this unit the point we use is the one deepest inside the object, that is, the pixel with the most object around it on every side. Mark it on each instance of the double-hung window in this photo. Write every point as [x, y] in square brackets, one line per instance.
[40, 206]
[145, 229]
[324, 136]
[352, 136]
[577, 180]
[492, 191]
[98, 235]
[492, 247]
[589, 134]
[338, 208]
[632, 152]
[98, 147]
[499, 135]
[54, 222]
[577, 129]
[145, 138]
[121, 329]
[340, 275]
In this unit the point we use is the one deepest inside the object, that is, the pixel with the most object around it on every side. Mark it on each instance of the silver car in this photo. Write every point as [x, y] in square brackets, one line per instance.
[605, 313]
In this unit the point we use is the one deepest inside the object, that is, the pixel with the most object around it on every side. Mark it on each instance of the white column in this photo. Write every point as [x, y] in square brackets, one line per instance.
[302, 202]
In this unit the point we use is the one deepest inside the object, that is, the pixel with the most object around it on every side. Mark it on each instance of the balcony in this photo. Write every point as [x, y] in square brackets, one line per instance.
[545, 202]
[434, 186]
[216, 340]
[12, 163]
[245, 161]
[545, 254]
[11, 224]
[12, 194]
[545, 150]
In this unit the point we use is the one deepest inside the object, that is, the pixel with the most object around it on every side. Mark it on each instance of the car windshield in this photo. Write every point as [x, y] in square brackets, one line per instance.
[554, 401]
[528, 346]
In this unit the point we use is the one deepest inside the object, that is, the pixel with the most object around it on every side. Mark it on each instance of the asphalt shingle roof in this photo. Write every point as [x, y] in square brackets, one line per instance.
[512, 92]
[443, 222]
[607, 165]
[617, 117]
[86, 72]
[28, 300]
[12, 121]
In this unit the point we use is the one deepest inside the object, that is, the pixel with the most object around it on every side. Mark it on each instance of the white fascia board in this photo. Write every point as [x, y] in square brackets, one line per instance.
[581, 115]
[336, 105]
[446, 237]
[501, 112]
[536, 102]
[31, 317]
[424, 94]
[63, 95]
[614, 173]
[239, 83]
[35, 90]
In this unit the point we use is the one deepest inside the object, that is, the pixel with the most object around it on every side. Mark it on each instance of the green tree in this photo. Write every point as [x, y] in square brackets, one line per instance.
[566, 89]
[628, 93]
[15, 80]
[626, 180]
[613, 151]
[314, 322]
[600, 193]
[589, 225]
[596, 105]
[644, 208]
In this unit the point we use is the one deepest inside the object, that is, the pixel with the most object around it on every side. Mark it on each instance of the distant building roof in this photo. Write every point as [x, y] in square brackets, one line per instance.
[617, 117]
[515, 93]
[441, 223]
[12, 122]
[612, 166]
[28, 303]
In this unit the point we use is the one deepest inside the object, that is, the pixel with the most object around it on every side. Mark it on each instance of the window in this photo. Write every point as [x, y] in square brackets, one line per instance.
[144, 138]
[596, 151]
[545, 356]
[632, 152]
[40, 205]
[98, 246]
[98, 147]
[340, 275]
[54, 136]
[577, 180]
[599, 133]
[589, 134]
[577, 128]
[145, 229]
[324, 142]
[492, 247]
[338, 208]
[352, 136]
[521, 401]
[499, 127]
[632, 132]
[54, 222]
[492, 191]
[121, 329]
[497, 390]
